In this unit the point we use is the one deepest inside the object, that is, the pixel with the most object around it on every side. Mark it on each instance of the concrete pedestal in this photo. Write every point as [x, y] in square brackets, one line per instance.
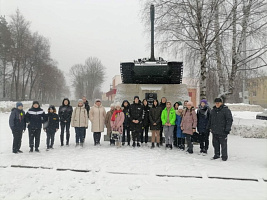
[173, 92]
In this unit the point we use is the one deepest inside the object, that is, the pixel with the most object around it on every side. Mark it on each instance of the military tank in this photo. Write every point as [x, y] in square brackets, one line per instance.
[151, 70]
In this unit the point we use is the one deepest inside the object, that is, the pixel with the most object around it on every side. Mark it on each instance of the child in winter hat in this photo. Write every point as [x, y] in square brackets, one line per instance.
[18, 104]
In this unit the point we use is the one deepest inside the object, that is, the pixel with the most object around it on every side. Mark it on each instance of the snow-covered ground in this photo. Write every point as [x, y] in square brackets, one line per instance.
[127, 173]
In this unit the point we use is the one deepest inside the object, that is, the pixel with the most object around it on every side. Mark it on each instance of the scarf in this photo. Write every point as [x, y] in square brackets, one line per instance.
[113, 118]
[204, 111]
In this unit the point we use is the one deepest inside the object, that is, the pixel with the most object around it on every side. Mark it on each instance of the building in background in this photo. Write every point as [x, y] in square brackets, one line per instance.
[193, 89]
[257, 91]
[110, 95]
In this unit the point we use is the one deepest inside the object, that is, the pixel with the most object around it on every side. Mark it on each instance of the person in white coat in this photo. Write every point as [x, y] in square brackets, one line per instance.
[97, 117]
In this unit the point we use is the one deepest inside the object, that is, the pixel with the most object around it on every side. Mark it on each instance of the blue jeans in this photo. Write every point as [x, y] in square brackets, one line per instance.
[79, 134]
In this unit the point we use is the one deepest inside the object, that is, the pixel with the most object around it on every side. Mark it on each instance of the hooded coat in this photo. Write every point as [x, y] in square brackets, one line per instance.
[35, 118]
[155, 117]
[172, 116]
[79, 117]
[97, 116]
[17, 120]
[126, 111]
[146, 116]
[203, 114]
[65, 111]
[221, 120]
[52, 122]
[189, 121]
[136, 113]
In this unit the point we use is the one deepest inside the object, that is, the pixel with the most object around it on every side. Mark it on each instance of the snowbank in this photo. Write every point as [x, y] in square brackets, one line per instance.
[245, 107]
[246, 125]
[6, 106]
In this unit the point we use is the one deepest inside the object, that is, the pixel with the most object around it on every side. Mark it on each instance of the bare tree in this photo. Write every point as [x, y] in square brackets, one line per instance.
[5, 53]
[88, 78]
[201, 30]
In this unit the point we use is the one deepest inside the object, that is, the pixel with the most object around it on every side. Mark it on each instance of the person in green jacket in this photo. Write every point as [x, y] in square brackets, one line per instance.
[168, 118]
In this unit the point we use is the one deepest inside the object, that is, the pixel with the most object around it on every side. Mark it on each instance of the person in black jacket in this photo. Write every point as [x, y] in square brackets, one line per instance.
[145, 121]
[220, 124]
[136, 115]
[163, 106]
[51, 126]
[64, 113]
[87, 108]
[35, 118]
[17, 123]
[175, 139]
[126, 124]
[203, 114]
[155, 122]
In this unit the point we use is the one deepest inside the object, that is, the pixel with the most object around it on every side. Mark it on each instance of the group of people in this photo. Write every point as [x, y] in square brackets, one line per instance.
[178, 122]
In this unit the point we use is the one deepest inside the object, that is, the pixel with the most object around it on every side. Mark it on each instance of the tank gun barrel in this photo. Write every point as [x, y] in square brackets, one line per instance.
[152, 19]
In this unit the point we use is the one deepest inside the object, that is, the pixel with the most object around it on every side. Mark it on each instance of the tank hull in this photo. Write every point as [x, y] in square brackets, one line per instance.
[152, 72]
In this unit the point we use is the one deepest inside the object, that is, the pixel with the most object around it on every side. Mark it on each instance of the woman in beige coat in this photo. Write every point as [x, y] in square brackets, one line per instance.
[97, 117]
[79, 120]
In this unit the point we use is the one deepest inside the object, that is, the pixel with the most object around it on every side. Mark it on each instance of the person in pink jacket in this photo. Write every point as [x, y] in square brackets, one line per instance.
[189, 124]
[117, 120]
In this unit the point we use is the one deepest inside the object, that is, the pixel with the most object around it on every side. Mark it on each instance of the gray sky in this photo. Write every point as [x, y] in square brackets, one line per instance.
[111, 30]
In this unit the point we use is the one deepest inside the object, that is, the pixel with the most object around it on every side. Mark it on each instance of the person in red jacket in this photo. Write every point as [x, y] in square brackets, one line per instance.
[117, 120]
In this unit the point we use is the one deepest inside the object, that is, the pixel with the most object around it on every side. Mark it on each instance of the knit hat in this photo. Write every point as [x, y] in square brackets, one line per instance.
[80, 101]
[35, 102]
[112, 105]
[97, 100]
[19, 104]
[52, 107]
[179, 103]
[204, 101]
[190, 103]
[218, 100]
[136, 97]
[118, 104]
[180, 107]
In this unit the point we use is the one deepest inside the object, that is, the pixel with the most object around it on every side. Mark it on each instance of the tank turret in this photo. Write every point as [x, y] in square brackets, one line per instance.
[151, 70]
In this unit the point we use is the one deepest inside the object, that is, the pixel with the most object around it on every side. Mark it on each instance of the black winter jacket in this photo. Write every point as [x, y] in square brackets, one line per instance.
[146, 116]
[136, 113]
[126, 111]
[65, 111]
[51, 122]
[155, 117]
[203, 115]
[17, 120]
[35, 118]
[221, 120]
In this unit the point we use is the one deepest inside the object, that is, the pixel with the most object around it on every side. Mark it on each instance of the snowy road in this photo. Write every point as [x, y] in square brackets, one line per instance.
[127, 173]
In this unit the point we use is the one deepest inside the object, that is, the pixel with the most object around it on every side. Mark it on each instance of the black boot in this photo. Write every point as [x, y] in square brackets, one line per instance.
[170, 146]
[153, 146]
[157, 144]
[138, 144]
[37, 150]
[31, 149]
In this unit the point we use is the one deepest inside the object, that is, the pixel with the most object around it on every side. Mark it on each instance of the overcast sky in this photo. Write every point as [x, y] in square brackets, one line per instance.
[111, 30]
